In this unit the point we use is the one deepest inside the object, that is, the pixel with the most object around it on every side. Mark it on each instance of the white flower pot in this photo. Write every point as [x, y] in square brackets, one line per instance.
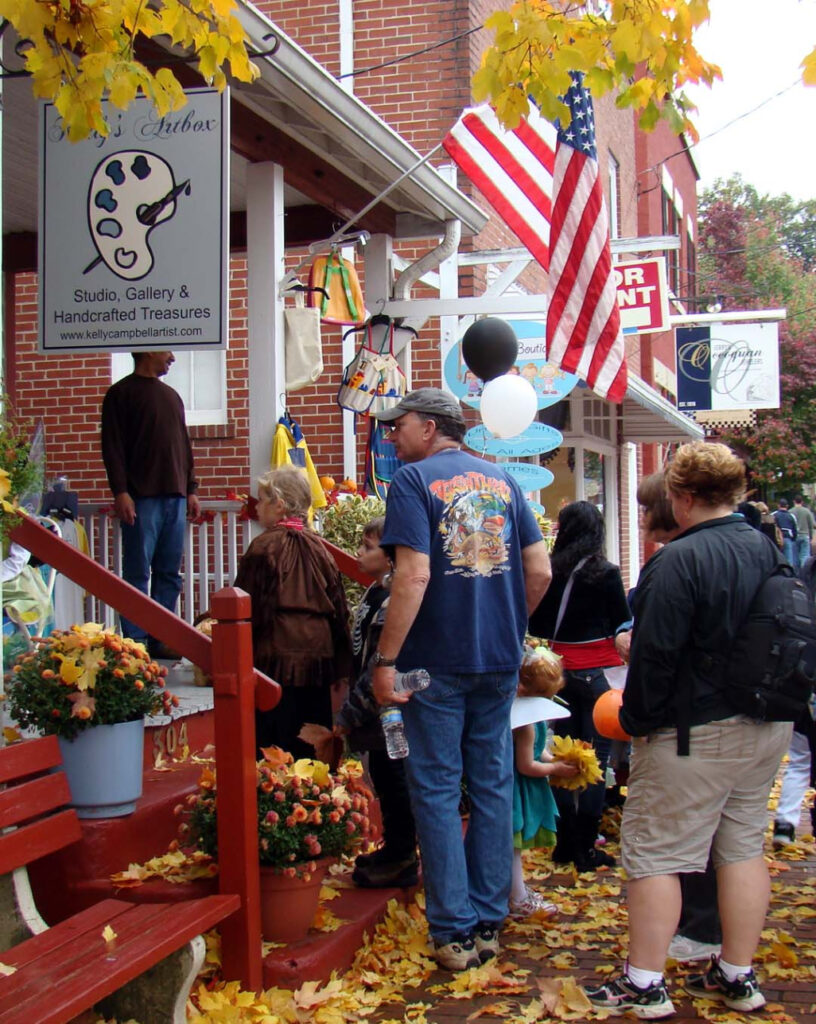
[104, 769]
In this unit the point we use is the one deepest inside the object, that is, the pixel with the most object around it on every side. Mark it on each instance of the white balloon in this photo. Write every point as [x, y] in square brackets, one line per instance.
[509, 405]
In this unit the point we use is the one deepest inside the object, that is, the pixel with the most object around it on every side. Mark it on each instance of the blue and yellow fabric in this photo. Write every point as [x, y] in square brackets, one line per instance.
[289, 448]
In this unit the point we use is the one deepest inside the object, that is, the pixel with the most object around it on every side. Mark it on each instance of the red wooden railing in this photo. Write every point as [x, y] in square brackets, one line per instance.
[238, 688]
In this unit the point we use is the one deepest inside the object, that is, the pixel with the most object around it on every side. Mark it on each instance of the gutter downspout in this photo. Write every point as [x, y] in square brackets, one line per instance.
[430, 261]
[408, 278]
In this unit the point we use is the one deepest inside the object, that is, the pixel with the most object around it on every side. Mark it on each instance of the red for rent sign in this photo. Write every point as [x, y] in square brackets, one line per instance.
[642, 295]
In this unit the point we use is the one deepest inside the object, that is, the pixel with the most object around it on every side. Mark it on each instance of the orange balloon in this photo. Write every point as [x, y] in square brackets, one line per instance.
[605, 715]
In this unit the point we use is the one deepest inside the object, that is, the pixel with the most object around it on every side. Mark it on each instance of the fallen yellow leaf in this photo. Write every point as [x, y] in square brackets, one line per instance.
[310, 994]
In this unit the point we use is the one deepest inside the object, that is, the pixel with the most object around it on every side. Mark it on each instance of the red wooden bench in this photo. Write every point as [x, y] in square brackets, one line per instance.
[145, 972]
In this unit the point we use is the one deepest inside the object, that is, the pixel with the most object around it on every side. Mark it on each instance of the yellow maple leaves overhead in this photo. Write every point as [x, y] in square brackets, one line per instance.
[81, 52]
[644, 49]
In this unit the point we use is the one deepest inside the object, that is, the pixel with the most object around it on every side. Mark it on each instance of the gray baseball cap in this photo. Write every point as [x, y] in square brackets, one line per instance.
[426, 400]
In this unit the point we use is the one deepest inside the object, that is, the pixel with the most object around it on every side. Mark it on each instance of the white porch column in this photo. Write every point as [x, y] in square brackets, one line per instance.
[379, 275]
[265, 258]
[450, 329]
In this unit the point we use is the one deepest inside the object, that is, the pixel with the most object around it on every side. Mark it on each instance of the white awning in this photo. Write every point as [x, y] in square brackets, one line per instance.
[299, 95]
[647, 416]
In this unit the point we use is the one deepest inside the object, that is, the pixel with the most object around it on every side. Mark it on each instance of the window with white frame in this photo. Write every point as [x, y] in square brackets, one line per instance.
[200, 378]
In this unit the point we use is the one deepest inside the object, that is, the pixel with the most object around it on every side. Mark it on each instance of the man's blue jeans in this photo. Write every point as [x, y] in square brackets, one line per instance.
[789, 551]
[802, 550]
[152, 550]
[461, 725]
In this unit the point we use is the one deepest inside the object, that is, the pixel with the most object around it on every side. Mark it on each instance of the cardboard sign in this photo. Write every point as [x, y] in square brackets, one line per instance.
[642, 295]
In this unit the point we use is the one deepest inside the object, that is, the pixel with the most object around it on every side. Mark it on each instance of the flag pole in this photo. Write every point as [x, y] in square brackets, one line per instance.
[338, 234]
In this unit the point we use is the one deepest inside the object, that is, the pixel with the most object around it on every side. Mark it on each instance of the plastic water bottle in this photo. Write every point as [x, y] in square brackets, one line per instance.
[411, 682]
[396, 745]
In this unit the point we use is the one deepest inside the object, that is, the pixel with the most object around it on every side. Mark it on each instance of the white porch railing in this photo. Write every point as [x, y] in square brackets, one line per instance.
[211, 553]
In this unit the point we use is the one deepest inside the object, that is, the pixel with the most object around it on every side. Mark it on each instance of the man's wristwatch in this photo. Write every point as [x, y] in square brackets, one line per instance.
[380, 659]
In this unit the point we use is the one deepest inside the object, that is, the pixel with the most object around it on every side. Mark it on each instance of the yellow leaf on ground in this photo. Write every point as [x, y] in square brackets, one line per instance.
[310, 994]
[491, 1010]
[784, 954]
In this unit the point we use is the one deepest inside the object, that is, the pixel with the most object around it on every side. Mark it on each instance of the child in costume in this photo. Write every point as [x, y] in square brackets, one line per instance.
[395, 862]
[534, 810]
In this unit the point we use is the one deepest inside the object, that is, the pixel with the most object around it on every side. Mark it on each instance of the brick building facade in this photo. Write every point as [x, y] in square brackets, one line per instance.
[420, 97]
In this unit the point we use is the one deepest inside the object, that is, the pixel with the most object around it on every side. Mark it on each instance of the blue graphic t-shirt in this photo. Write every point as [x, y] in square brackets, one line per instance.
[472, 521]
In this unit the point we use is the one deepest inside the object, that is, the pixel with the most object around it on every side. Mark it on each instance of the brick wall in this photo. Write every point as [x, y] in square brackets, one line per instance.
[421, 98]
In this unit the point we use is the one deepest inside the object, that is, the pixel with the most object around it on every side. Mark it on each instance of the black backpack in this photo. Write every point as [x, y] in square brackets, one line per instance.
[770, 673]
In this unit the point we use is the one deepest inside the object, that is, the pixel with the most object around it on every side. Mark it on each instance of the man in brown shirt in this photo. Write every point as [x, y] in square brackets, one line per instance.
[149, 461]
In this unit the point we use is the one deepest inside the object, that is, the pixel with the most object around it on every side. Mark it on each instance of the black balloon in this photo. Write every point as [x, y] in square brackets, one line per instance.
[489, 347]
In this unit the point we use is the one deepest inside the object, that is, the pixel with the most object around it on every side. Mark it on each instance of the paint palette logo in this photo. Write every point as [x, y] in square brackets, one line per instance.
[130, 194]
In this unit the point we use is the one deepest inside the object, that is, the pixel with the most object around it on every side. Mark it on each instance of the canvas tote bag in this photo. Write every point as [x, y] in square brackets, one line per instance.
[303, 345]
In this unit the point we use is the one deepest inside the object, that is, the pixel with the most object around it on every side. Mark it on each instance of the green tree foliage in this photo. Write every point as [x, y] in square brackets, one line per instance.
[758, 251]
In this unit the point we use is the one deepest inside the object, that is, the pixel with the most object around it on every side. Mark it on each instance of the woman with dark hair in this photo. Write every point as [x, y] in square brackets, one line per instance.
[581, 612]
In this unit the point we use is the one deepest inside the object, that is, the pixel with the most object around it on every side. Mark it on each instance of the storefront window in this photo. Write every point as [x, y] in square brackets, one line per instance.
[594, 479]
[562, 490]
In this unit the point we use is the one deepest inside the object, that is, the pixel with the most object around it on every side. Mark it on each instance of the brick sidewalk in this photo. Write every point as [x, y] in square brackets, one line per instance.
[587, 943]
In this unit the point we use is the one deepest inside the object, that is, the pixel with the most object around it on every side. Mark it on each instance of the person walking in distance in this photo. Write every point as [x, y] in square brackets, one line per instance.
[149, 462]
[470, 563]
[804, 530]
[787, 524]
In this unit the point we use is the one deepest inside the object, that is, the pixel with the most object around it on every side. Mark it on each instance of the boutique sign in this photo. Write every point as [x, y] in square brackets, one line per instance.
[549, 381]
[133, 229]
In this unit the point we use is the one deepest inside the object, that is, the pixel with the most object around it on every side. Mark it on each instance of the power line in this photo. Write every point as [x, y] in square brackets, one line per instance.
[410, 56]
[722, 128]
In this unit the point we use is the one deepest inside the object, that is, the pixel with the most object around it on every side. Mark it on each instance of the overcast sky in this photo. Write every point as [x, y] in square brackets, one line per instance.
[759, 46]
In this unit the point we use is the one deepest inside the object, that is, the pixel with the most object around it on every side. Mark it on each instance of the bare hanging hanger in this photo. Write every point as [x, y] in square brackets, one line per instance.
[307, 288]
[338, 241]
[356, 329]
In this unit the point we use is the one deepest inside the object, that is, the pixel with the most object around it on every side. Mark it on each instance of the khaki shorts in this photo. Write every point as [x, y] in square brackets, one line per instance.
[678, 808]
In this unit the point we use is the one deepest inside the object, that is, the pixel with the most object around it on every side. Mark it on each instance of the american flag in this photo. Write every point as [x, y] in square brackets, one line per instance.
[583, 321]
[512, 169]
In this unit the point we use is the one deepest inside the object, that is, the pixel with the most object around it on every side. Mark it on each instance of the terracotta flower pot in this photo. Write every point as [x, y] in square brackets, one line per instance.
[288, 905]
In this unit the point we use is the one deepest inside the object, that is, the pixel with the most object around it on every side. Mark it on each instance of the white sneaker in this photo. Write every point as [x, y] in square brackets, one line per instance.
[532, 903]
[688, 950]
[458, 955]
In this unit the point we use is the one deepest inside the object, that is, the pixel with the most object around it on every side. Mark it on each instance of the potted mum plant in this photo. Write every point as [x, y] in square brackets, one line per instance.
[307, 817]
[91, 689]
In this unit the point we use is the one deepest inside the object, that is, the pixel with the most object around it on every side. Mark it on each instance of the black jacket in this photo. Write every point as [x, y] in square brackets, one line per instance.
[690, 601]
[597, 606]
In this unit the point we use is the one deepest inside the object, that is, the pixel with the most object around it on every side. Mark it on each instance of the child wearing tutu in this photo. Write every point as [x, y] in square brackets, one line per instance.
[534, 810]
